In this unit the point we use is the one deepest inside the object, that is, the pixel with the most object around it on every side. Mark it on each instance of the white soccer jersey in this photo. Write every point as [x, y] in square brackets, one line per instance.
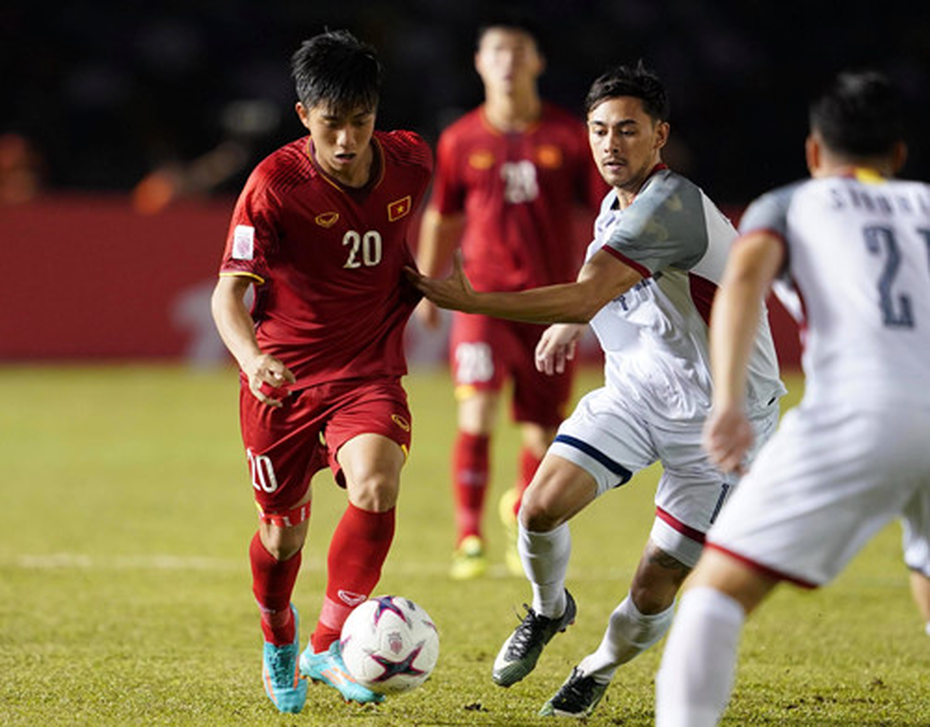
[654, 336]
[853, 455]
[857, 278]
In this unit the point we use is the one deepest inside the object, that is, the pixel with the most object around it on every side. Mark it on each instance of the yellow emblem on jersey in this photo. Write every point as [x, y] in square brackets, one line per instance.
[869, 176]
[401, 422]
[481, 159]
[399, 208]
[327, 219]
[549, 156]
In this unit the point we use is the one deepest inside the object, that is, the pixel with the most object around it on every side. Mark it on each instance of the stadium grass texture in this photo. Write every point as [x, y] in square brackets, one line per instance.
[125, 593]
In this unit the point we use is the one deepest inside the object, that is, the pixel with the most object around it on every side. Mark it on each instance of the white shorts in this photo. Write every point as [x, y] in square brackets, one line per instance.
[611, 441]
[830, 478]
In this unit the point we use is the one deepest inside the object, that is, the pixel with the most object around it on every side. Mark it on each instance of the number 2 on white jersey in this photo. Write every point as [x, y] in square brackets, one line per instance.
[896, 307]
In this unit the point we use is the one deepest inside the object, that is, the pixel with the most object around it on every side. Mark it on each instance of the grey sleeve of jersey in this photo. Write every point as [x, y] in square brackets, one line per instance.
[665, 225]
[769, 212]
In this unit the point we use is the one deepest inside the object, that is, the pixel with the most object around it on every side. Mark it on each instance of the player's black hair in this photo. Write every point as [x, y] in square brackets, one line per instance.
[859, 114]
[636, 81]
[337, 69]
[511, 19]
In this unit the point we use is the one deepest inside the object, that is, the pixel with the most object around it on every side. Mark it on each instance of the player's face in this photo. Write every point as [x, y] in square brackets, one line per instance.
[341, 142]
[625, 141]
[508, 60]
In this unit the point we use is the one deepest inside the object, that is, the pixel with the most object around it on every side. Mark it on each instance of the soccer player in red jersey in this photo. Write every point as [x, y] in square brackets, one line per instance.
[510, 176]
[320, 232]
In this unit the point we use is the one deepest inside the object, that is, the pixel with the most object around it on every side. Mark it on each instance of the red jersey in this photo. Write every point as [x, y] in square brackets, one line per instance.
[519, 192]
[331, 301]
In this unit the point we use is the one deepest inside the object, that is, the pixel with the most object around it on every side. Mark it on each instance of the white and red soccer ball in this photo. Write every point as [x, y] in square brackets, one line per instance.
[389, 644]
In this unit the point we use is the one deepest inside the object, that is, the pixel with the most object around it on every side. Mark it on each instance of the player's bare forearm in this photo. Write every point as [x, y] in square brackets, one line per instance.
[750, 270]
[600, 280]
[237, 330]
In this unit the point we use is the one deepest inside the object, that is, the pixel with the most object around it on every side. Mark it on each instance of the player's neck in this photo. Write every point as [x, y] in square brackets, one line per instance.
[512, 112]
[861, 171]
[626, 193]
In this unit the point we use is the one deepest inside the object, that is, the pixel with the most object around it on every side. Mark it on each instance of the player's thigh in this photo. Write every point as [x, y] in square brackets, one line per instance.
[560, 490]
[729, 575]
[368, 437]
[371, 465]
[606, 439]
[283, 449]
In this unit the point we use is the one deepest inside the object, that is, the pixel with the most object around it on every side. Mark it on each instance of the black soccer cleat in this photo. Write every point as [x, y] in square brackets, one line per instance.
[577, 697]
[520, 652]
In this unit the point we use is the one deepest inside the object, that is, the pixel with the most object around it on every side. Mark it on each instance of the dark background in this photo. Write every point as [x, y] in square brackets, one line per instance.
[105, 92]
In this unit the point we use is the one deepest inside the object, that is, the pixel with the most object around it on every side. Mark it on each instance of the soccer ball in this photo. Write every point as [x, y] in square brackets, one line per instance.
[389, 644]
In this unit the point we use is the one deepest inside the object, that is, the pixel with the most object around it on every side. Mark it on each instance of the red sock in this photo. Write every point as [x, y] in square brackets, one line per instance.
[272, 583]
[357, 551]
[470, 464]
[529, 463]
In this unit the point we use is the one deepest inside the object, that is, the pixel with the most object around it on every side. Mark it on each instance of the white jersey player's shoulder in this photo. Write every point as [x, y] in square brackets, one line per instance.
[671, 223]
[770, 211]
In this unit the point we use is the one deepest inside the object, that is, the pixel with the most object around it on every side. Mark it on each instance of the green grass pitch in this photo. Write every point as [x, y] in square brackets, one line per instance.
[125, 592]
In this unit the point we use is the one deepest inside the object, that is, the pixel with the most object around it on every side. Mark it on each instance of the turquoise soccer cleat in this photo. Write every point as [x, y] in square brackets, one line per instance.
[281, 675]
[327, 667]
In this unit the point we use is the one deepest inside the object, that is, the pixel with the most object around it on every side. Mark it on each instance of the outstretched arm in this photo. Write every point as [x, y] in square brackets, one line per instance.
[752, 266]
[600, 280]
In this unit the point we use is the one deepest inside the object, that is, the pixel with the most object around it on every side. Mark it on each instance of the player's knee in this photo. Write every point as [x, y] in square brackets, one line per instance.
[540, 511]
[283, 532]
[657, 581]
[650, 599]
[282, 543]
[375, 492]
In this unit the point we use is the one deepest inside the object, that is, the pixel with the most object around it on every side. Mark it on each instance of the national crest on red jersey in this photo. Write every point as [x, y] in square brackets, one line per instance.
[399, 208]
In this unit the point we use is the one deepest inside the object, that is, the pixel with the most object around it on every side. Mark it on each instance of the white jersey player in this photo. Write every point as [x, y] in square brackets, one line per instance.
[646, 288]
[852, 246]
[657, 390]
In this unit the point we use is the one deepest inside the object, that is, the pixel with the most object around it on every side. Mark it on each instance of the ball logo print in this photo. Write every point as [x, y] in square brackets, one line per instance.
[390, 644]
[395, 642]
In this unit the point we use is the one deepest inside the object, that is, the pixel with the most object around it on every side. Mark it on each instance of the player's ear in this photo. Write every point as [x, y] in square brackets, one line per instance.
[542, 63]
[303, 114]
[898, 157]
[663, 128]
[812, 154]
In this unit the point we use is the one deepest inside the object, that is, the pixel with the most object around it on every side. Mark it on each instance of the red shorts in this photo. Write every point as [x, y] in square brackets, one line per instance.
[285, 446]
[486, 351]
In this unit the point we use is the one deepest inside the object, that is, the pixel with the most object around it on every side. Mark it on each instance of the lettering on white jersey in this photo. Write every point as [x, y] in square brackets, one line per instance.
[243, 242]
